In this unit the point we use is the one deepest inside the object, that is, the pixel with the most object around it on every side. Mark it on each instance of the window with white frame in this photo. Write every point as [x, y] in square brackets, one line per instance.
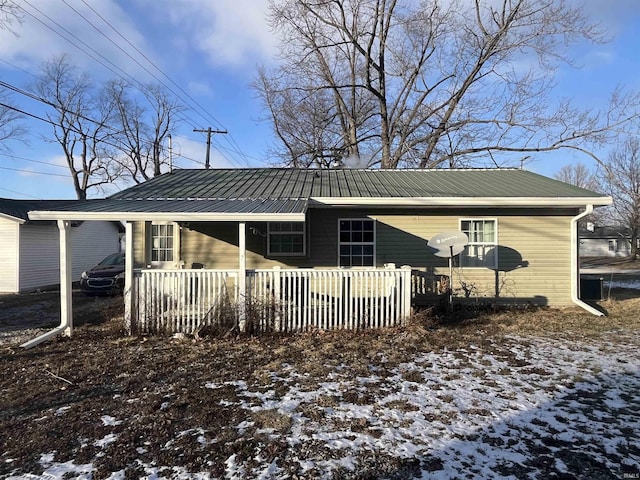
[163, 242]
[613, 245]
[483, 237]
[356, 242]
[286, 239]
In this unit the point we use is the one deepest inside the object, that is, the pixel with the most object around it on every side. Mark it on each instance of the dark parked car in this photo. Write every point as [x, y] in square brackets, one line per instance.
[106, 278]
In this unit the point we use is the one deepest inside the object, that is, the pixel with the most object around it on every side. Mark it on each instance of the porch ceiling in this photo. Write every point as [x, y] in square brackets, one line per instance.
[282, 210]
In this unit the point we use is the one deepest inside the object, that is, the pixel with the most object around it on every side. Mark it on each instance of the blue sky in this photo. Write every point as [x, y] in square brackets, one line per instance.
[211, 48]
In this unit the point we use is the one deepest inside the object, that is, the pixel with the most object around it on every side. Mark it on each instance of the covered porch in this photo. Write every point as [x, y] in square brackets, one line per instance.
[161, 299]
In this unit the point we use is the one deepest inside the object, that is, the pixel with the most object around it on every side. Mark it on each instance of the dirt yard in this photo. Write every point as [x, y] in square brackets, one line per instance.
[496, 394]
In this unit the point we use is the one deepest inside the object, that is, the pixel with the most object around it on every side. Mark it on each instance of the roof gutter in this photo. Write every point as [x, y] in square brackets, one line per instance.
[575, 264]
[462, 201]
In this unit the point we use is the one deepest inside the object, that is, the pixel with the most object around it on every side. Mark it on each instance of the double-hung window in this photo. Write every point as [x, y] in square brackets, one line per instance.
[483, 238]
[286, 239]
[356, 242]
[163, 242]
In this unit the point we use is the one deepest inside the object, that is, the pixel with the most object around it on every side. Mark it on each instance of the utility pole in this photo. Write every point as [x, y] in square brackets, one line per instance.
[208, 131]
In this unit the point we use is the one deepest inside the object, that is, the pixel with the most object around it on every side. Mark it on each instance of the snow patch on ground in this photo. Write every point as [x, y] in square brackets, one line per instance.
[506, 410]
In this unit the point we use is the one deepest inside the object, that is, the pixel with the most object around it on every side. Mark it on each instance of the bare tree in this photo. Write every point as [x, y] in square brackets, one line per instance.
[621, 179]
[577, 174]
[9, 13]
[432, 83]
[144, 121]
[82, 124]
[10, 126]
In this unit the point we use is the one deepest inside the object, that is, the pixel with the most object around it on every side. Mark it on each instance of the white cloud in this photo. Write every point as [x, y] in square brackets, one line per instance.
[229, 32]
[40, 36]
[200, 89]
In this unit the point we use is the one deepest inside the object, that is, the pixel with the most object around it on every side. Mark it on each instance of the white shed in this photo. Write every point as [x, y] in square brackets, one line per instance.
[30, 250]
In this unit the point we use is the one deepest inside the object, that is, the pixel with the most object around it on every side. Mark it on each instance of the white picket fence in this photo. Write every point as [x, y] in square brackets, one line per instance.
[281, 300]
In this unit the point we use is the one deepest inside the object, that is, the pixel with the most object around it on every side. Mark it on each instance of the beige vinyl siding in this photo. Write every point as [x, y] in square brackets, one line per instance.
[534, 248]
[216, 244]
[9, 244]
[534, 254]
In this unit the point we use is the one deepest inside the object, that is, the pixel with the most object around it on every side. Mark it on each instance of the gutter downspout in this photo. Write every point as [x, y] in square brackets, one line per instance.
[575, 266]
[66, 314]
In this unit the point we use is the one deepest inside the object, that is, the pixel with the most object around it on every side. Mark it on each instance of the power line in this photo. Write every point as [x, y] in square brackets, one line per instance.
[234, 145]
[139, 85]
[19, 193]
[32, 171]
[74, 130]
[32, 160]
[207, 113]
[209, 131]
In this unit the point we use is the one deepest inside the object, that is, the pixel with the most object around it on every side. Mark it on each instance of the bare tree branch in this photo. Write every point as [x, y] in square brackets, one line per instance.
[431, 83]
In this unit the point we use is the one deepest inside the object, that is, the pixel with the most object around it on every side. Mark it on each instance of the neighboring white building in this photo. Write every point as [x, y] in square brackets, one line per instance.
[30, 250]
[604, 242]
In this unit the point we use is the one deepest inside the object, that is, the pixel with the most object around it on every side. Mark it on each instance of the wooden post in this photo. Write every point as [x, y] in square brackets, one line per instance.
[129, 292]
[242, 276]
[66, 299]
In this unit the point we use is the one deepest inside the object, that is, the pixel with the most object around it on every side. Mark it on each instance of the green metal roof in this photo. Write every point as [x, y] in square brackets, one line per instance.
[284, 194]
[287, 183]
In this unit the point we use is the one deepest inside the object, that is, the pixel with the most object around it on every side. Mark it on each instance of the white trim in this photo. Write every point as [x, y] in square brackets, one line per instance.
[242, 276]
[494, 243]
[6, 216]
[292, 254]
[575, 264]
[362, 243]
[464, 201]
[175, 261]
[129, 293]
[167, 216]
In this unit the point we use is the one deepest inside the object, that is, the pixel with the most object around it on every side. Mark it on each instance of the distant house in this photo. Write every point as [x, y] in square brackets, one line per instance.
[298, 249]
[30, 251]
[605, 241]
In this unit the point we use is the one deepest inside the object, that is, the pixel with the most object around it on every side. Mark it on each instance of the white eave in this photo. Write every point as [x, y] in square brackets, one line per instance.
[168, 216]
[464, 201]
[12, 218]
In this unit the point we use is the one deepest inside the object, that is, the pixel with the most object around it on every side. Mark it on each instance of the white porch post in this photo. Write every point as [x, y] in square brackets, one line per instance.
[129, 293]
[66, 301]
[242, 276]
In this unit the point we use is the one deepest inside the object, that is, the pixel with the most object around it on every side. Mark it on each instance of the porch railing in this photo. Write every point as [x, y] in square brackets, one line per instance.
[282, 300]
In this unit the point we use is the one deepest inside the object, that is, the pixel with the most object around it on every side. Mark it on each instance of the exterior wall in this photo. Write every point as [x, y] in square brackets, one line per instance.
[92, 242]
[534, 248]
[599, 247]
[40, 251]
[9, 244]
[39, 255]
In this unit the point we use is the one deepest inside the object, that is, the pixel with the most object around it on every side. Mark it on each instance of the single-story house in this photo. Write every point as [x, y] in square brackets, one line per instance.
[29, 249]
[605, 241]
[342, 248]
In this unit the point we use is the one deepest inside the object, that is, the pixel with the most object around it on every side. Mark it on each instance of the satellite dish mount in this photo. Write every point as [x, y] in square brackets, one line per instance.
[448, 245]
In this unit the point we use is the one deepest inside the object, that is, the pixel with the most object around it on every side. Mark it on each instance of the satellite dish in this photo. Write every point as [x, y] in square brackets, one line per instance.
[448, 244]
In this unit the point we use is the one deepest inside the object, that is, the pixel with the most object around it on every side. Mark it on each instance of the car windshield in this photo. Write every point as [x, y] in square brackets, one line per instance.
[113, 259]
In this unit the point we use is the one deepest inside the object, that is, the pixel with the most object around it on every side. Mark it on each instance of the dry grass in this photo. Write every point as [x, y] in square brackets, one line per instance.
[157, 384]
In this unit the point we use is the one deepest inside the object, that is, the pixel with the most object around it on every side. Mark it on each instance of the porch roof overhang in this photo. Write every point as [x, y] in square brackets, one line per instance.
[194, 210]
